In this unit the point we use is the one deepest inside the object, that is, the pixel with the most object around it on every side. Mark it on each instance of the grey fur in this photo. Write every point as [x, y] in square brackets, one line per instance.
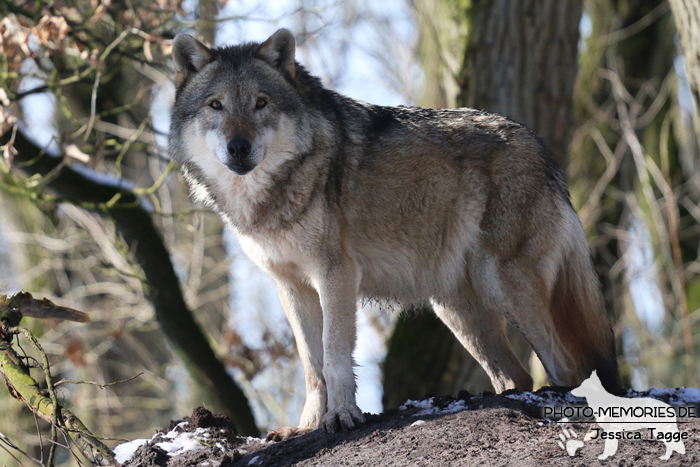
[348, 200]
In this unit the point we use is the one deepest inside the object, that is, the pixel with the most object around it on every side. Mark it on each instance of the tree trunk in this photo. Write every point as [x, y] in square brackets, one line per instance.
[686, 14]
[521, 61]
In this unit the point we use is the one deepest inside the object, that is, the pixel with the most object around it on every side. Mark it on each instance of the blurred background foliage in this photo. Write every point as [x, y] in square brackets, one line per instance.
[87, 85]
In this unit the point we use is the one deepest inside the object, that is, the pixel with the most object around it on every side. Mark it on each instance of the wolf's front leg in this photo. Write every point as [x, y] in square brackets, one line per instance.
[338, 290]
[302, 306]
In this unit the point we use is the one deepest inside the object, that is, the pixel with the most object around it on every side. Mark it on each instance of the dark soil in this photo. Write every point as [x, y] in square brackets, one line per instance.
[492, 430]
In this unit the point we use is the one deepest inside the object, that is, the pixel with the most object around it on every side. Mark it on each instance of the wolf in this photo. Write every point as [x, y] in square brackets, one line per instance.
[339, 200]
[614, 426]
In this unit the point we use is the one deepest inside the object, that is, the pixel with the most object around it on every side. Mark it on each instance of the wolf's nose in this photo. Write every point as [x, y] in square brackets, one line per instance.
[239, 148]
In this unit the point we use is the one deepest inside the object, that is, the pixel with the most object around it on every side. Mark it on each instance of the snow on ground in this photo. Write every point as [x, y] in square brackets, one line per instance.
[680, 396]
[424, 404]
[176, 444]
[545, 398]
[186, 441]
[125, 451]
[673, 396]
[430, 409]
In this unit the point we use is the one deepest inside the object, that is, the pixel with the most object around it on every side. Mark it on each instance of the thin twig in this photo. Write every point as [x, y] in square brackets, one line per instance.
[13, 456]
[41, 438]
[12, 445]
[153, 188]
[100, 385]
[49, 383]
[613, 160]
[128, 143]
[93, 106]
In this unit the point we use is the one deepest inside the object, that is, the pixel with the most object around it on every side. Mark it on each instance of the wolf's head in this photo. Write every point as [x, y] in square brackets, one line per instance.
[236, 107]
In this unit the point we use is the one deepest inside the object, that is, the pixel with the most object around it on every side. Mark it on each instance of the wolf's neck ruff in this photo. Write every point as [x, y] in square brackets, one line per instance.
[338, 200]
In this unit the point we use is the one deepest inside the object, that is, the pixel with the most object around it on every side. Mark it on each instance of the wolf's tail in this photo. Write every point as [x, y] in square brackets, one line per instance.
[578, 311]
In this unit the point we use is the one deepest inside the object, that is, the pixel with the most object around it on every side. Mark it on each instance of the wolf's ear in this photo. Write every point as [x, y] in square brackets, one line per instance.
[189, 57]
[278, 51]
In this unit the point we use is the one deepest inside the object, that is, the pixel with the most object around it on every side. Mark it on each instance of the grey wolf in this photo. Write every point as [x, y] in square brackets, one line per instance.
[340, 200]
[616, 414]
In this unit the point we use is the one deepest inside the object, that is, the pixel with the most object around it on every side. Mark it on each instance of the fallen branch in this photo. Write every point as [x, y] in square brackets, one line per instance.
[29, 306]
[23, 387]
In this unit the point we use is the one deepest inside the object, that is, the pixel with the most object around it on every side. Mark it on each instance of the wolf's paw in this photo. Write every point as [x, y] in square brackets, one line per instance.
[572, 445]
[342, 418]
[286, 432]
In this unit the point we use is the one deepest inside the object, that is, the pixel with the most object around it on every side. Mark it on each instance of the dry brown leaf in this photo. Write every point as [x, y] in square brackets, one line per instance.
[75, 352]
[14, 39]
[51, 30]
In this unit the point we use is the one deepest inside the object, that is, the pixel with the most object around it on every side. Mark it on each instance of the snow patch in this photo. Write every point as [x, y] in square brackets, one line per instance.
[429, 408]
[680, 396]
[453, 407]
[125, 451]
[179, 443]
[527, 397]
[424, 404]
[688, 395]
[185, 441]
[546, 399]
[254, 460]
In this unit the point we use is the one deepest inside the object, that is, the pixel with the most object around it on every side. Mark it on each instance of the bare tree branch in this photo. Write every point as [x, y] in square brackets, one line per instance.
[164, 290]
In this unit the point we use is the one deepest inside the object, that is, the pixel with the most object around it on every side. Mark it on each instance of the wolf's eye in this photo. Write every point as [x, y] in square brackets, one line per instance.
[260, 103]
[215, 104]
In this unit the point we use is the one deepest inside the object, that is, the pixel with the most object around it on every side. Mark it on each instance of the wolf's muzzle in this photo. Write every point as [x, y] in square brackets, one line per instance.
[238, 152]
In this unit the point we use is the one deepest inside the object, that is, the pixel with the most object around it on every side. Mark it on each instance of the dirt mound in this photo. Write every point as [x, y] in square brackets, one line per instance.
[485, 430]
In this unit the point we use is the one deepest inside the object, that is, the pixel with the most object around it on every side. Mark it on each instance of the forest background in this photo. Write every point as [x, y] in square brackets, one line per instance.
[94, 215]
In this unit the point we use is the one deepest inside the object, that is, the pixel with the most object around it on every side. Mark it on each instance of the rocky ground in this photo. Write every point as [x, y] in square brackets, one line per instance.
[485, 430]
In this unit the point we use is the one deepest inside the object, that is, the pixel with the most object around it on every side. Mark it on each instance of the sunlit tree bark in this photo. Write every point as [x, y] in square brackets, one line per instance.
[686, 14]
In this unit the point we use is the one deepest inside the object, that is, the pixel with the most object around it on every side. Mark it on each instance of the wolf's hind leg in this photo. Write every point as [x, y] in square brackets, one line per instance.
[302, 306]
[483, 334]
